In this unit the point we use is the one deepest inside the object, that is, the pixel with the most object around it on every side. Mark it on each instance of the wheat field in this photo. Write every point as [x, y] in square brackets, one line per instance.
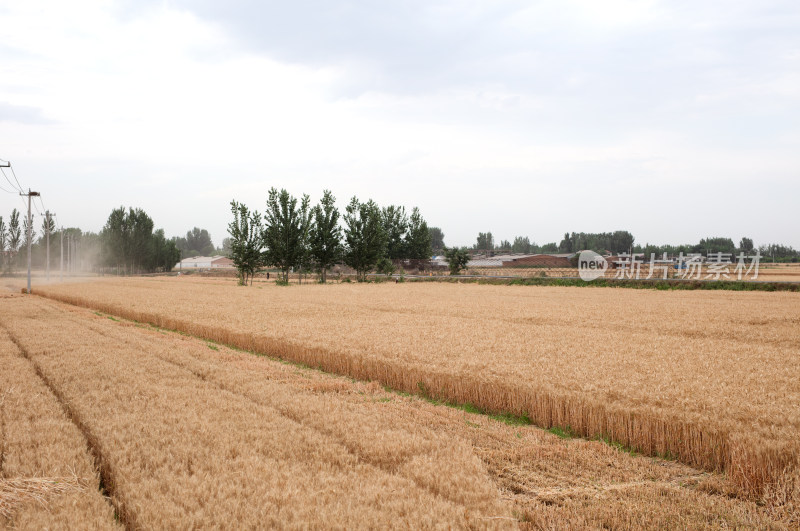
[710, 378]
[47, 474]
[194, 434]
[181, 451]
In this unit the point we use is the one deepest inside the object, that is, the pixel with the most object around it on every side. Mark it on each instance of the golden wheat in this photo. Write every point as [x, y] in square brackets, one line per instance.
[182, 452]
[47, 477]
[712, 378]
[127, 385]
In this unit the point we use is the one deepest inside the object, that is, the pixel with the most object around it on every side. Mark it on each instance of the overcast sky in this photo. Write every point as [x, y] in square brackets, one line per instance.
[674, 120]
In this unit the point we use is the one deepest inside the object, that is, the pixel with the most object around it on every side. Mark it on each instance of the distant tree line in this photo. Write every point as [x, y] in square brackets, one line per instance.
[623, 241]
[80, 249]
[770, 252]
[522, 244]
[292, 234]
[130, 245]
[197, 242]
[614, 242]
[14, 240]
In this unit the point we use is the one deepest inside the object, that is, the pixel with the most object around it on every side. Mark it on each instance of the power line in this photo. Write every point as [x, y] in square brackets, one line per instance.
[36, 208]
[7, 164]
[10, 167]
[19, 190]
[15, 192]
[44, 208]
[9, 180]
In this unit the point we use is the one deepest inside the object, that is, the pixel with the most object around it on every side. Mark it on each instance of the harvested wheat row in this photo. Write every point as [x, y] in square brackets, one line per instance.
[720, 390]
[47, 477]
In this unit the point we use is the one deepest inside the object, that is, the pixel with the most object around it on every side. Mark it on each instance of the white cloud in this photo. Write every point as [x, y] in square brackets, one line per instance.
[489, 116]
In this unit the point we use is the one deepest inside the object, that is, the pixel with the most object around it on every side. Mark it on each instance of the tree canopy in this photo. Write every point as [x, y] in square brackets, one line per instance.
[325, 236]
[437, 239]
[197, 242]
[418, 237]
[286, 231]
[457, 259]
[485, 242]
[129, 243]
[365, 236]
[615, 242]
[246, 241]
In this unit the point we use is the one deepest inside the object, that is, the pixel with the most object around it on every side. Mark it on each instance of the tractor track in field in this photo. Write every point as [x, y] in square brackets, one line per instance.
[364, 459]
[107, 484]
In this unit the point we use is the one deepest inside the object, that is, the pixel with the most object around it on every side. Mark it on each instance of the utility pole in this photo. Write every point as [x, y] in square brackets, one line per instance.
[69, 263]
[47, 233]
[61, 267]
[29, 194]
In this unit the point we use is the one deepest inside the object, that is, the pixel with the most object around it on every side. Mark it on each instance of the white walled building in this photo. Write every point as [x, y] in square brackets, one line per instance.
[204, 262]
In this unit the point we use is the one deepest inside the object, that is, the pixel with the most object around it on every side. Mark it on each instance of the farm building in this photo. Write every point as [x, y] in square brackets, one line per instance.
[205, 262]
[541, 260]
[513, 260]
[492, 260]
[485, 262]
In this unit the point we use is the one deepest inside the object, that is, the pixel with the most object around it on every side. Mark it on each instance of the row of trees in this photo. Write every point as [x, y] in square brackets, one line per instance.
[779, 253]
[14, 238]
[623, 241]
[294, 235]
[131, 246]
[772, 251]
[11, 239]
[522, 244]
[614, 242]
[69, 246]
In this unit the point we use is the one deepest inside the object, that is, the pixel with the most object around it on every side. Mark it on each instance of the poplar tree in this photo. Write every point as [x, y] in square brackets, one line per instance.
[365, 238]
[325, 237]
[418, 237]
[246, 241]
[395, 225]
[286, 229]
[14, 236]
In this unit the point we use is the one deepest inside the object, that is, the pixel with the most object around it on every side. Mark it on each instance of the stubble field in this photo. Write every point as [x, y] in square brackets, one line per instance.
[709, 378]
[186, 434]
